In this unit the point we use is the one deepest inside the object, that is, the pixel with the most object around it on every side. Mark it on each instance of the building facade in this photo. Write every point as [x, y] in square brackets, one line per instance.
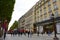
[44, 10]
[27, 20]
[39, 17]
[21, 22]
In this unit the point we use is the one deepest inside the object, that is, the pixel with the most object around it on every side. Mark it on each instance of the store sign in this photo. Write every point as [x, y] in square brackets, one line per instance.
[58, 27]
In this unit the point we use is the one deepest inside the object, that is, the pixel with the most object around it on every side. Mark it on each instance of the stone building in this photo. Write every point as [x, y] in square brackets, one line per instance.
[39, 17]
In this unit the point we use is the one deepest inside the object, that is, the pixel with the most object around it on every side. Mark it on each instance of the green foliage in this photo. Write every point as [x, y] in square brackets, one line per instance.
[6, 9]
[15, 25]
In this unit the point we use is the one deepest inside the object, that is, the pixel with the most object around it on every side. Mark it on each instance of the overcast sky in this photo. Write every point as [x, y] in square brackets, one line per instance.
[20, 8]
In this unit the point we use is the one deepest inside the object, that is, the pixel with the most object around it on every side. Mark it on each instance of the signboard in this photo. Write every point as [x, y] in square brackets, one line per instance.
[58, 27]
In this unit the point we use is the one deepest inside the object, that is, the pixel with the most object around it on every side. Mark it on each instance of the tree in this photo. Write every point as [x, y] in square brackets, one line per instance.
[14, 26]
[6, 9]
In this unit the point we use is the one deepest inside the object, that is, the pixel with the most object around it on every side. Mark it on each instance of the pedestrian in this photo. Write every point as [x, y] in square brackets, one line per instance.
[25, 32]
[11, 33]
[4, 35]
[21, 32]
[49, 33]
[38, 33]
[42, 33]
[28, 33]
[18, 33]
[31, 33]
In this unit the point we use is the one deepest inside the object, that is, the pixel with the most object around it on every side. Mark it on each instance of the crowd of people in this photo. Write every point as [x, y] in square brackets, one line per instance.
[21, 32]
[26, 32]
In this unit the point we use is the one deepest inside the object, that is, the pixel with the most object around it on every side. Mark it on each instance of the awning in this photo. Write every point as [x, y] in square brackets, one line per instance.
[57, 19]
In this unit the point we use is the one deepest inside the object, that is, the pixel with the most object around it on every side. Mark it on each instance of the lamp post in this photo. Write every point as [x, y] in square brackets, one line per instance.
[54, 25]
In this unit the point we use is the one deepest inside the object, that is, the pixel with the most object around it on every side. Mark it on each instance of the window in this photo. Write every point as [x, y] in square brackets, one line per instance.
[49, 3]
[54, 0]
[37, 11]
[44, 0]
[55, 6]
[44, 6]
[44, 11]
[41, 17]
[49, 9]
[40, 1]
[45, 16]
[40, 10]
[38, 18]
[56, 14]
[50, 14]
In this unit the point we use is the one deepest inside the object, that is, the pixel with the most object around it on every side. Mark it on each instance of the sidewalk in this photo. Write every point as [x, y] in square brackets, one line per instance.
[2, 38]
[33, 37]
[46, 36]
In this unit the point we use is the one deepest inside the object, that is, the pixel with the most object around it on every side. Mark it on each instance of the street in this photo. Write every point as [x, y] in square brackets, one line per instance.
[34, 37]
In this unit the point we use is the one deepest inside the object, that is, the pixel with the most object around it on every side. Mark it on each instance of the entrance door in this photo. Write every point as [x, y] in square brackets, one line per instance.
[58, 27]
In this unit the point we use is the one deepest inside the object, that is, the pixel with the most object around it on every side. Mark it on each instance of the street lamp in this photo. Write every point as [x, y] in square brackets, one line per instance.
[54, 25]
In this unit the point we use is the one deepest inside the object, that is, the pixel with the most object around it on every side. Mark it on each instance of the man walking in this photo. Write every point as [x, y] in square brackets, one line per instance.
[4, 35]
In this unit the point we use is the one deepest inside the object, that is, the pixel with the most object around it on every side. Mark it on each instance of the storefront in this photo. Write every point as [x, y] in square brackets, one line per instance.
[48, 25]
[48, 28]
[58, 27]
